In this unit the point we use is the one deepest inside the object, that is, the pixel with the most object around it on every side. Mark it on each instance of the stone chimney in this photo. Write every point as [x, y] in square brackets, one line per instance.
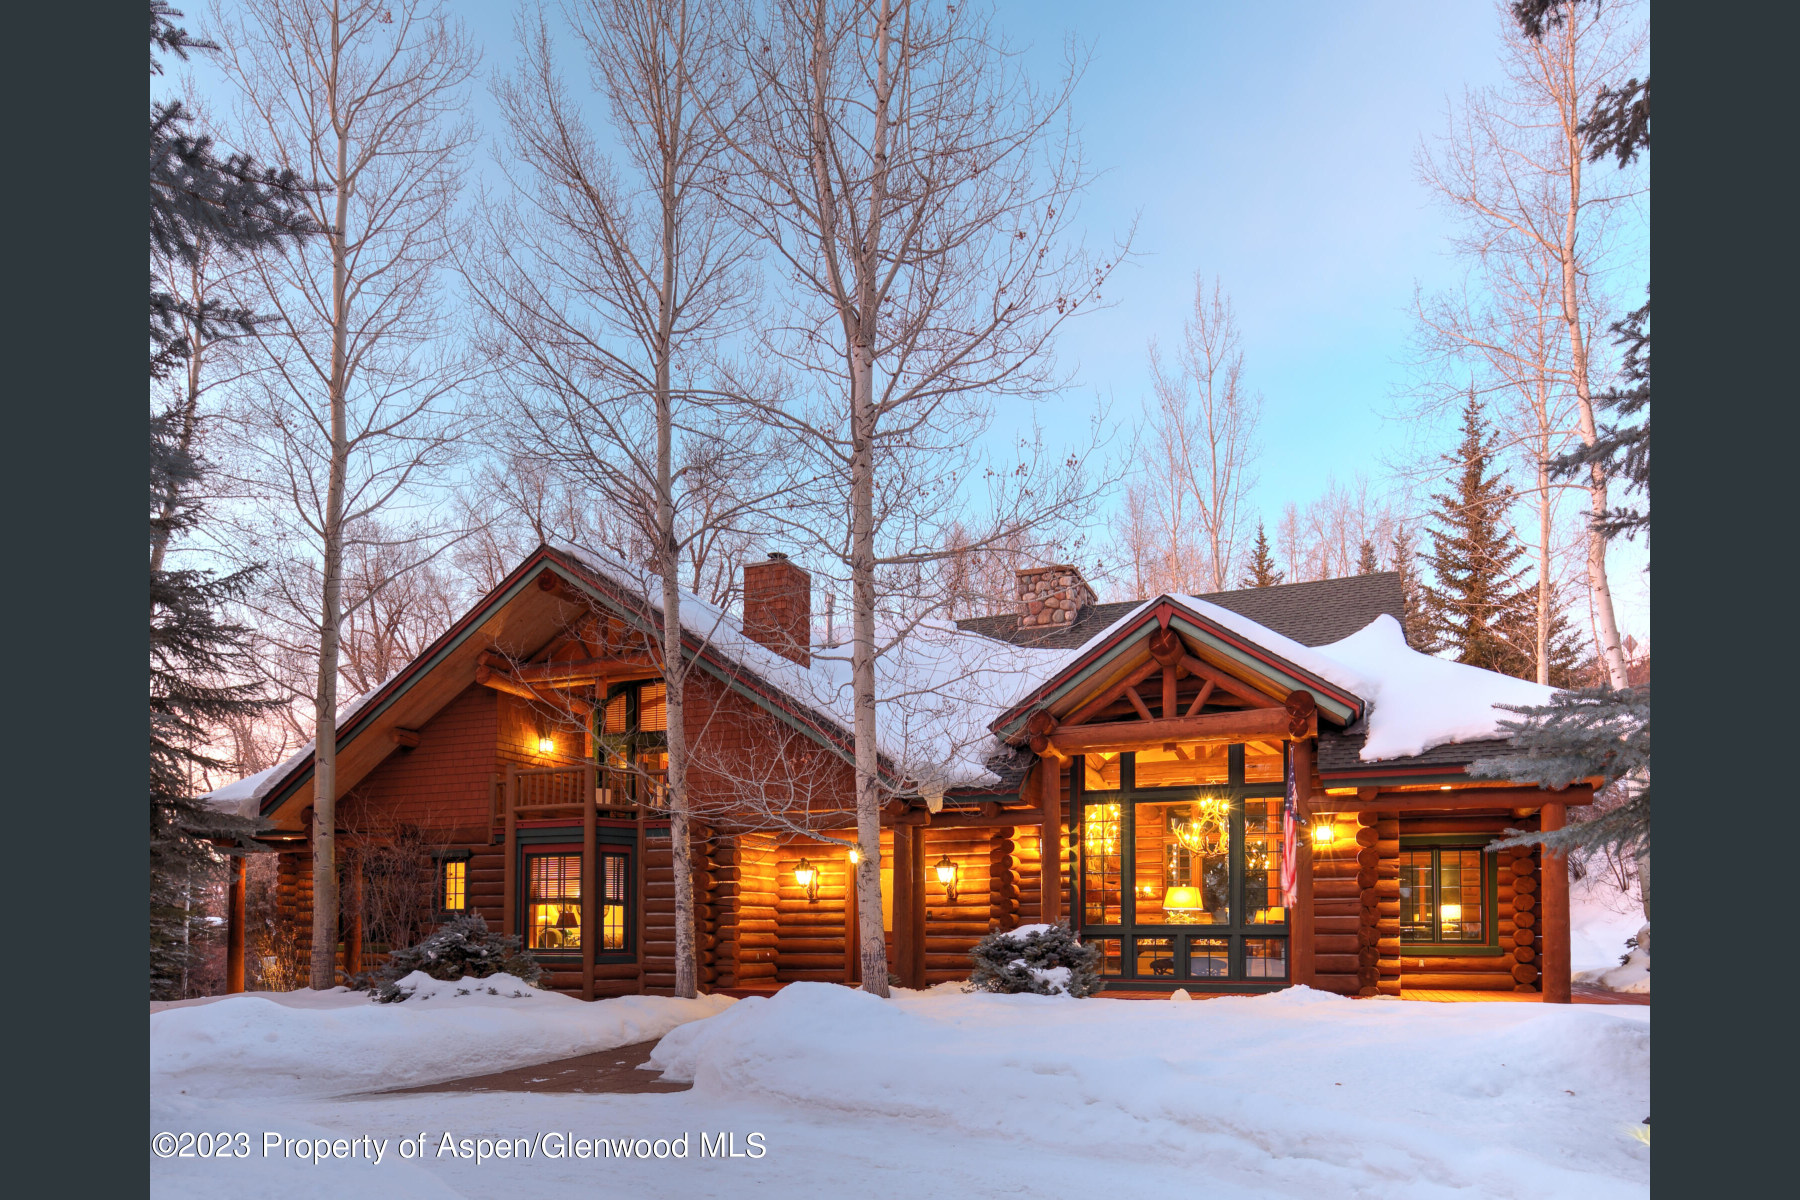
[778, 607]
[1052, 595]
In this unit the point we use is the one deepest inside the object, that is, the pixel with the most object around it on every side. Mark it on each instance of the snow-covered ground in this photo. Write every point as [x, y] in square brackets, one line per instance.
[932, 1094]
[1601, 917]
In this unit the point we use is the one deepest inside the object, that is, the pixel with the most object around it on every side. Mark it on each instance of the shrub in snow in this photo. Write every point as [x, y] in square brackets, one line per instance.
[1044, 960]
[463, 946]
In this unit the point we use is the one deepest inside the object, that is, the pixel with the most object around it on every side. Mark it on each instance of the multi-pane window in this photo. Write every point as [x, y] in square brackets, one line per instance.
[453, 890]
[1443, 895]
[553, 901]
[1181, 849]
[1101, 832]
[1263, 844]
[613, 890]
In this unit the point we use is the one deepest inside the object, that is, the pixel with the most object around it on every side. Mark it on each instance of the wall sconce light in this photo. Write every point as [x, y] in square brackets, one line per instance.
[546, 744]
[1324, 834]
[946, 873]
[854, 855]
[807, 876]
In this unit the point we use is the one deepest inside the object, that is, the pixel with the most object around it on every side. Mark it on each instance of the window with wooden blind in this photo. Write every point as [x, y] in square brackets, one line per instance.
[615, 890]
[553, 901]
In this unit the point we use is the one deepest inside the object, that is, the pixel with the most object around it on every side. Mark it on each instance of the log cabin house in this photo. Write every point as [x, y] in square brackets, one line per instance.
[1243, 791]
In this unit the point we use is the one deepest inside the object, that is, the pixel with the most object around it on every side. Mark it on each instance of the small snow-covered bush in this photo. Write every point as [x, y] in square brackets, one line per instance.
[461, 947]
[1044, 960]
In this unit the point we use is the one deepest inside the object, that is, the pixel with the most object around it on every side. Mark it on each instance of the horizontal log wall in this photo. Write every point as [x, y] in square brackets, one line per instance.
[1513, 970]
[952, 929]
[809, 936]
[1339, 932]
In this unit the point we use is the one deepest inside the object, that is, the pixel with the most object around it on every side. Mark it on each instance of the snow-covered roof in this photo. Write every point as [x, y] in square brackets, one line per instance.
[940, 688]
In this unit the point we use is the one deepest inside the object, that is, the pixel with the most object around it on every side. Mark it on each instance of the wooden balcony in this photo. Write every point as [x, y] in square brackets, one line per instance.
[534, 792]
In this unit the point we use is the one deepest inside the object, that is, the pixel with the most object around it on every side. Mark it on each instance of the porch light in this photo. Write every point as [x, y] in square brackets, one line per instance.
[1324, 834]
[546, 744]
[946, 873]
[807, 876]
[1182, 898]
[855, 856]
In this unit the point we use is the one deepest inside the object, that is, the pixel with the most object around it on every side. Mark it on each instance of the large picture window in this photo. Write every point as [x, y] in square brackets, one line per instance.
[1444, 895]
[1180, 863]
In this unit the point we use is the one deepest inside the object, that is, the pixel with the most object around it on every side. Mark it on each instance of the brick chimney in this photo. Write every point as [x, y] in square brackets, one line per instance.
[1052, 595]
[778, 607]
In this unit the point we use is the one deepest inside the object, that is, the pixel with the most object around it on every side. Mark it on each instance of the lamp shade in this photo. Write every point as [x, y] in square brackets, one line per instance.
[946, 870]
[1450, 914]
[1182, 899]
[804, 873]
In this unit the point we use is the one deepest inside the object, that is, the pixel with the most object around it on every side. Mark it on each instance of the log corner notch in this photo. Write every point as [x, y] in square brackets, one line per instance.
[1303, 714]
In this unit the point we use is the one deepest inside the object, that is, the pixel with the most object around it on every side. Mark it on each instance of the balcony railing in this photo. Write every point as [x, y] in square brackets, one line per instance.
[534, 791]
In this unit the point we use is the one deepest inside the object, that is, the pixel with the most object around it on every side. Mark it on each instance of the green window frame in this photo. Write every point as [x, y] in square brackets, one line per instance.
[1244, 952]
[1431, 869]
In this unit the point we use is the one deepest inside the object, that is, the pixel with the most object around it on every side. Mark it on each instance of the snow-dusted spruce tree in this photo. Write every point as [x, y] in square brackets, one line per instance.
[1603, 731]
[206, 213]
[356, 409]
[915, 190]
[607, 288]
[460, 948]
[1044, 960]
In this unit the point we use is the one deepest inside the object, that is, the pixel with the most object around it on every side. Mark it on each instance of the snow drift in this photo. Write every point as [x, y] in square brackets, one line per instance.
[329, 1043]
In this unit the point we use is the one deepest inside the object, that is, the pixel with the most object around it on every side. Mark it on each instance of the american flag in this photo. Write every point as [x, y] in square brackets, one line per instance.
[1290, 830]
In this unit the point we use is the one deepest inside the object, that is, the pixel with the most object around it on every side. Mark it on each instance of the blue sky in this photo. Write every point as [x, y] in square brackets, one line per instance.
[1271, 145]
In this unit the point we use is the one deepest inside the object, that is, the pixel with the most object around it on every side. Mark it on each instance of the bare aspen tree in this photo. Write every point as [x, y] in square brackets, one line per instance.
[607, 289]
[915, 191]
[1513, 168]
[355, 411]
[1202, 431]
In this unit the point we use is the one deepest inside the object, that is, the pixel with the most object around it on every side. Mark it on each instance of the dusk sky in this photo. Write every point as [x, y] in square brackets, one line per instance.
[1272, 146]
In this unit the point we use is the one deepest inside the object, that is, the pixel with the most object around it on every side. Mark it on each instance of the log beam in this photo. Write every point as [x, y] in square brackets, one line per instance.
[1371, 799]
[590, 883]
[234, 927]
[1222, 727]
[1554, 907]
[500, 681]
[404, 738]
[1236, 687]
[1092, 708]
[1205, 693]
[1300, 919]
[1050, 873]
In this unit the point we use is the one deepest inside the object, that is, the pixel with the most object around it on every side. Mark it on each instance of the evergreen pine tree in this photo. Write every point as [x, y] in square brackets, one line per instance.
[195, 653]
[1478, 600]
[1261, 572]
[1416, 621]
[1365, 563]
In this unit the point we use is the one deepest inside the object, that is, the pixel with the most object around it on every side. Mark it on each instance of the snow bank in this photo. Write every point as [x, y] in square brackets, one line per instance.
[1497, 1099]
[328, 1043]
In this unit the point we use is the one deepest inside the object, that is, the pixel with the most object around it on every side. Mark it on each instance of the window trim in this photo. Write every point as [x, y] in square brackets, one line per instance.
[440, 862]
[1490, 877]
[558, 842]
[1128, 796]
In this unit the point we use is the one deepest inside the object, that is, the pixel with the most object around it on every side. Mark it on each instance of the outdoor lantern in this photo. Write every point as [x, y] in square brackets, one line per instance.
[946, 873]
[546, 744]
[1324, 834]
[807, 876]
[855, 856]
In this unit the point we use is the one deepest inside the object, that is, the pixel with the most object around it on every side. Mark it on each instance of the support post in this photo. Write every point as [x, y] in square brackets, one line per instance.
[1554, 890]
[915, 972]
[1300, 920]
[1050, 851]
[509, 914]
[353, 932]
[234, 927]
[852, 934]
[590, 881]
[905, 851]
